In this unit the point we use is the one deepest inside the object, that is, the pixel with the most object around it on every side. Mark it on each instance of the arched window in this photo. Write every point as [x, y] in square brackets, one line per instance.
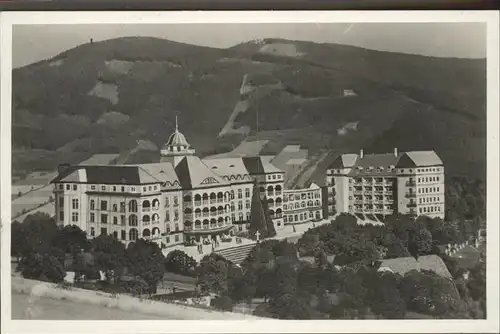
[145, 219]
[188, 211]
[220, 221]
[303, 204]
[262, 189]
[187, 199]
[278, 201]
[197, 213]
[220, 210]
[156, 203]
[132, 206]
[213, 222]
[146, 233]
[156, 231]
[92, 204]
[92, 232]
[278, 213]
[270, 190]
[278, 190]
[156, 217]
[197, 224]
[197, 198]
[132, 220]
[220, 196]
[133, 234]
[271, 212]
[146, 205]
[205, 196]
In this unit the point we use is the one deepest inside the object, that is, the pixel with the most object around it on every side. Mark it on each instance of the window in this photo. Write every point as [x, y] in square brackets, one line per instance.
[124, 235]
[240, 217]
[104, 231]
[166, 201]
[114, 188]
[61, 187]
[167, 216]
[240, 193]
[168, 240]
[104, 205]
[75, 204]
[247, 192]
[103, 188]
[92, 204]
[74, 217]
[176, 200]
[115, 220]
[92, 231]
[61, 215]
[123, 190]
[274, 177]
[285, 219]
[176, 215]
[176, 238]
[68, 187]
[115, 207]
[104, 218]
[240, 205]
[150, 188]
[247, 205]
[122, 219]
[144, 188]
[176, 227]
[92, 217]
[75, 187]
[61, 201]
[233, 217]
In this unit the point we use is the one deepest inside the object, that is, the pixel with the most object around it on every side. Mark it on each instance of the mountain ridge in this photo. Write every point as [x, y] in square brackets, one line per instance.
[103, 97]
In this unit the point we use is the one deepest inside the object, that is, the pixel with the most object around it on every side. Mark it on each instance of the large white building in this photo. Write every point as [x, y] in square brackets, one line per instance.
[179, 199]
[376, 185]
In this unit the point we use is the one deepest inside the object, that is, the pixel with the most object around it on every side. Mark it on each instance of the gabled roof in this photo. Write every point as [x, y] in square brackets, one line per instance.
[260, 165]
[402, 265]
[193, 173]
[344, 161]
[419, 159]
[163, 172]
[132, 175]
[228, 167]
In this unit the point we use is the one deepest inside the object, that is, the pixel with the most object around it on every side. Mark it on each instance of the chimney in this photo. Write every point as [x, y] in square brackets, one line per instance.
[361, 154]
[395, 151]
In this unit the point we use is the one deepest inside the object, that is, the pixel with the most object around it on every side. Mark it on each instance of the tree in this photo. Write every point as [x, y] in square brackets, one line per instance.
[109, 255]
[18, 240]
[212, 274]
[145, 259]
[179, 262]
[419, 242]
[71, 239]
[260, 219]
[386, 300]
[42, 267]
[40, 231]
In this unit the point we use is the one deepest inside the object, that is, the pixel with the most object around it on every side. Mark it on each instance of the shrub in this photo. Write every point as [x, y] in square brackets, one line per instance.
[224, 303]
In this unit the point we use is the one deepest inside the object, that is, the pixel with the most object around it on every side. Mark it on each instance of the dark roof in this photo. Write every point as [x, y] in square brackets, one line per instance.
[105, 175]
[253, 165]
[385, 160]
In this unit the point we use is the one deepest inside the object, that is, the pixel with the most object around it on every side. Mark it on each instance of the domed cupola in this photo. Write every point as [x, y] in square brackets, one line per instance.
[177, 146]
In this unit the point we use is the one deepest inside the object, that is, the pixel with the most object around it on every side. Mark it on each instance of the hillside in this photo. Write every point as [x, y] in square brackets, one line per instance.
[111, 96]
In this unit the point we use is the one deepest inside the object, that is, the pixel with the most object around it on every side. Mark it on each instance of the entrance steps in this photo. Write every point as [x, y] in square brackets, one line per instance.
[236, 254]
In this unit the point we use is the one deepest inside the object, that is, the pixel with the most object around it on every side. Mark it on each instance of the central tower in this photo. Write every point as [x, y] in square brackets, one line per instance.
[176, 148]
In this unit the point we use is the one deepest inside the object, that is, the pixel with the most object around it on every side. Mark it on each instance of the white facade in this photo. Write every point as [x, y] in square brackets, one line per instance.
[378, 185]
[302, 205]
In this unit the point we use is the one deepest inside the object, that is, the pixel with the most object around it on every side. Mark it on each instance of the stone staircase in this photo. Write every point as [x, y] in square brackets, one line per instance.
[236, 254]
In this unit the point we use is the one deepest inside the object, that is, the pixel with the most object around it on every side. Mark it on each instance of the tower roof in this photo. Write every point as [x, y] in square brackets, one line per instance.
[177, 138]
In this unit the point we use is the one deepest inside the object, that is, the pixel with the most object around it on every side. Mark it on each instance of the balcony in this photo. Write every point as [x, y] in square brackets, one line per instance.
[411, 184]
[410, 195]
[188, 204]
[147, 209]
[278, 192]
[188, 216]
[411, 205]
[197, 203]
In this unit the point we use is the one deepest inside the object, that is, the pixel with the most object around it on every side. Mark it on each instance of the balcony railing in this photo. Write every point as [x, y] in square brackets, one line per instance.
[411, 184]
[197, 203]
[147, 209]
[410, 195]
[188, 216]
[411, 205]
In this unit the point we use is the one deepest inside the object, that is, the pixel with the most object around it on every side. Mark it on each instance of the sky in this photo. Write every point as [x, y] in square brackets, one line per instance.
[462, 40]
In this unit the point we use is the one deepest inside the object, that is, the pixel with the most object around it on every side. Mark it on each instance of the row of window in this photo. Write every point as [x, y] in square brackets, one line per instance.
[429, 209]
[301, 205]
[428, 200]
[298, 197]
[423, 170]
[427, 190]
[275, 177]
[429, 179]
[300, 217]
